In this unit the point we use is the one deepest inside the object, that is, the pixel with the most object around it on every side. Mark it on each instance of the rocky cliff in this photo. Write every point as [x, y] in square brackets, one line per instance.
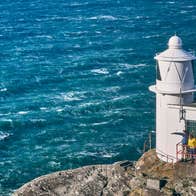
[147, 176]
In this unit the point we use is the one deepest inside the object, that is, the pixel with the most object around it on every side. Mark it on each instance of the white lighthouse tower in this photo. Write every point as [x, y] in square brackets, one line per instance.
[174, 97]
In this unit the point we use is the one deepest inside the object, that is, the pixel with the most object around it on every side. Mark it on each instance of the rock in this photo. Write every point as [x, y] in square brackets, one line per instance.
[147, 177]
[153, 184]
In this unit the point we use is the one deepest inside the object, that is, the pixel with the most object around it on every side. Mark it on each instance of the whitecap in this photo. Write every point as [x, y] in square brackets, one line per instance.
[134, 65]
[183, 12]
[54, 164]
[100, 71]
[72, 96]
[120, 98]
[59, 109]
[4, 135]
[105, 17]
[82, 125]
[70, 140]
[151, 36]
[38, 147]
[109, 155]
[112, 89]
[100, 123]
[3, 89]
[43, 108]
[86, 104]
[6, 114]
[23, 112]
[79, 4]
[119, 73]
[6, 120]
[44, 36]
[38, 120]
[77, 46]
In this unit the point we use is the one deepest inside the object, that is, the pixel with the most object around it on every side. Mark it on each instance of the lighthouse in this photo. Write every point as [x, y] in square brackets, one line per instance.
[175, 106]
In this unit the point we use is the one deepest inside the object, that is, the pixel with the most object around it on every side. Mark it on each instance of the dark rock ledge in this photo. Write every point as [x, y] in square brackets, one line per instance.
[147, 176]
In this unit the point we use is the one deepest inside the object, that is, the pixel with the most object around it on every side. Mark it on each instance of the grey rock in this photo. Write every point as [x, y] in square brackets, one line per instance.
[124, 178]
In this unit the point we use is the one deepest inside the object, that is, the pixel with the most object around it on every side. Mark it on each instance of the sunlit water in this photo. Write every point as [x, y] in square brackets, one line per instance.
[74, 79]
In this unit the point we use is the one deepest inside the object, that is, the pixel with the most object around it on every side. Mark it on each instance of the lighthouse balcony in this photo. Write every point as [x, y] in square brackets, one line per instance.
[175, 91]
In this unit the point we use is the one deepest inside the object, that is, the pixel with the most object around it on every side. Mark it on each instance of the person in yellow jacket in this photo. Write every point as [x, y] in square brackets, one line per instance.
[192, 147]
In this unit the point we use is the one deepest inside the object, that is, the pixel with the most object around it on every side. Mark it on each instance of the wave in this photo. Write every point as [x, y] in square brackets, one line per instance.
[6, 122]
[54, 164]
[38, 120]
[119, 73]
[109, 155]
[132, 66]
[120, 98]
[72, 96]
[44, 36]
[4, 135]
[104, 17]
[112, 89]
[100, 123]
[100, 71]
[3, 89]
[23, 112]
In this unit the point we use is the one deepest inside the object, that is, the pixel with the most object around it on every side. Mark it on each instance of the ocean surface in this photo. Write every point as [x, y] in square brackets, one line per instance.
[74, 77]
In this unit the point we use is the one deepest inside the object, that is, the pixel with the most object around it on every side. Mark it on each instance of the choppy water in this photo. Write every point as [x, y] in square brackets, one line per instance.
[74, 79]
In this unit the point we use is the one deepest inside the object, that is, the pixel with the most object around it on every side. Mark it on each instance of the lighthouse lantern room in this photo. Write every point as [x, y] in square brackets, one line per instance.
[175, 107]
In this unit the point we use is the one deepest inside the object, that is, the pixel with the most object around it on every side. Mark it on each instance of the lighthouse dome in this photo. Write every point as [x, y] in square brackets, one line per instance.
[175, 52]
[175, 42]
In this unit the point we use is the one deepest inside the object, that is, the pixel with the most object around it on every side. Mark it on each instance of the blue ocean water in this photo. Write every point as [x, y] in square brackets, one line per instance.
[74, 79]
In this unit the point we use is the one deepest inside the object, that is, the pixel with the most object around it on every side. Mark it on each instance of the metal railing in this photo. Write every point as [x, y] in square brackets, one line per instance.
[182, 152]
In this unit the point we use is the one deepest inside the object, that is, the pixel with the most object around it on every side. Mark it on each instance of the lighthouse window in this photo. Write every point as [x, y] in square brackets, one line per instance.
[158, 72]
[191, 126]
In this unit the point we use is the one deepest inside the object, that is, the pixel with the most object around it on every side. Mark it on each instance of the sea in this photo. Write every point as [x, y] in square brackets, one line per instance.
[74, 78]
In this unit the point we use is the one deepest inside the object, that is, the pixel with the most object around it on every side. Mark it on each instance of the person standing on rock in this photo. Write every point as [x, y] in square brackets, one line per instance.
[192, 147]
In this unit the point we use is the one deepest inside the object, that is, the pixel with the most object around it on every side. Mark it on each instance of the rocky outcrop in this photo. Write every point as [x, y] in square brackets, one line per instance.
[148, 176]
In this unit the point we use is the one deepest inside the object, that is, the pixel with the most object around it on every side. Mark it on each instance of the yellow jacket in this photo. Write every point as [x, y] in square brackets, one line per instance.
[192, 143]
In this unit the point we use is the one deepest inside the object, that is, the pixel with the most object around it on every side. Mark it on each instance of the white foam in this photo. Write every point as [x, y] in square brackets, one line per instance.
[72, 96]
[131, 66]
[100, 123]
[59, 110]
[100, 71]
[54, 164]
[38, 120]
[43, 108]
[23, 112]
[79, 4]
[151, 36]
[105, 17]
[3, 89]
[6, 120]
[44, 36]
[120, 98]
[38, 147]
[109, 155]
[119, 73]
[77, 46]
[6, 114]
[3, 135]
[112, 89]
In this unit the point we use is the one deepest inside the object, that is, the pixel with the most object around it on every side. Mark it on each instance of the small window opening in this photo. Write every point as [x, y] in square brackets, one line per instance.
[158, 71]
